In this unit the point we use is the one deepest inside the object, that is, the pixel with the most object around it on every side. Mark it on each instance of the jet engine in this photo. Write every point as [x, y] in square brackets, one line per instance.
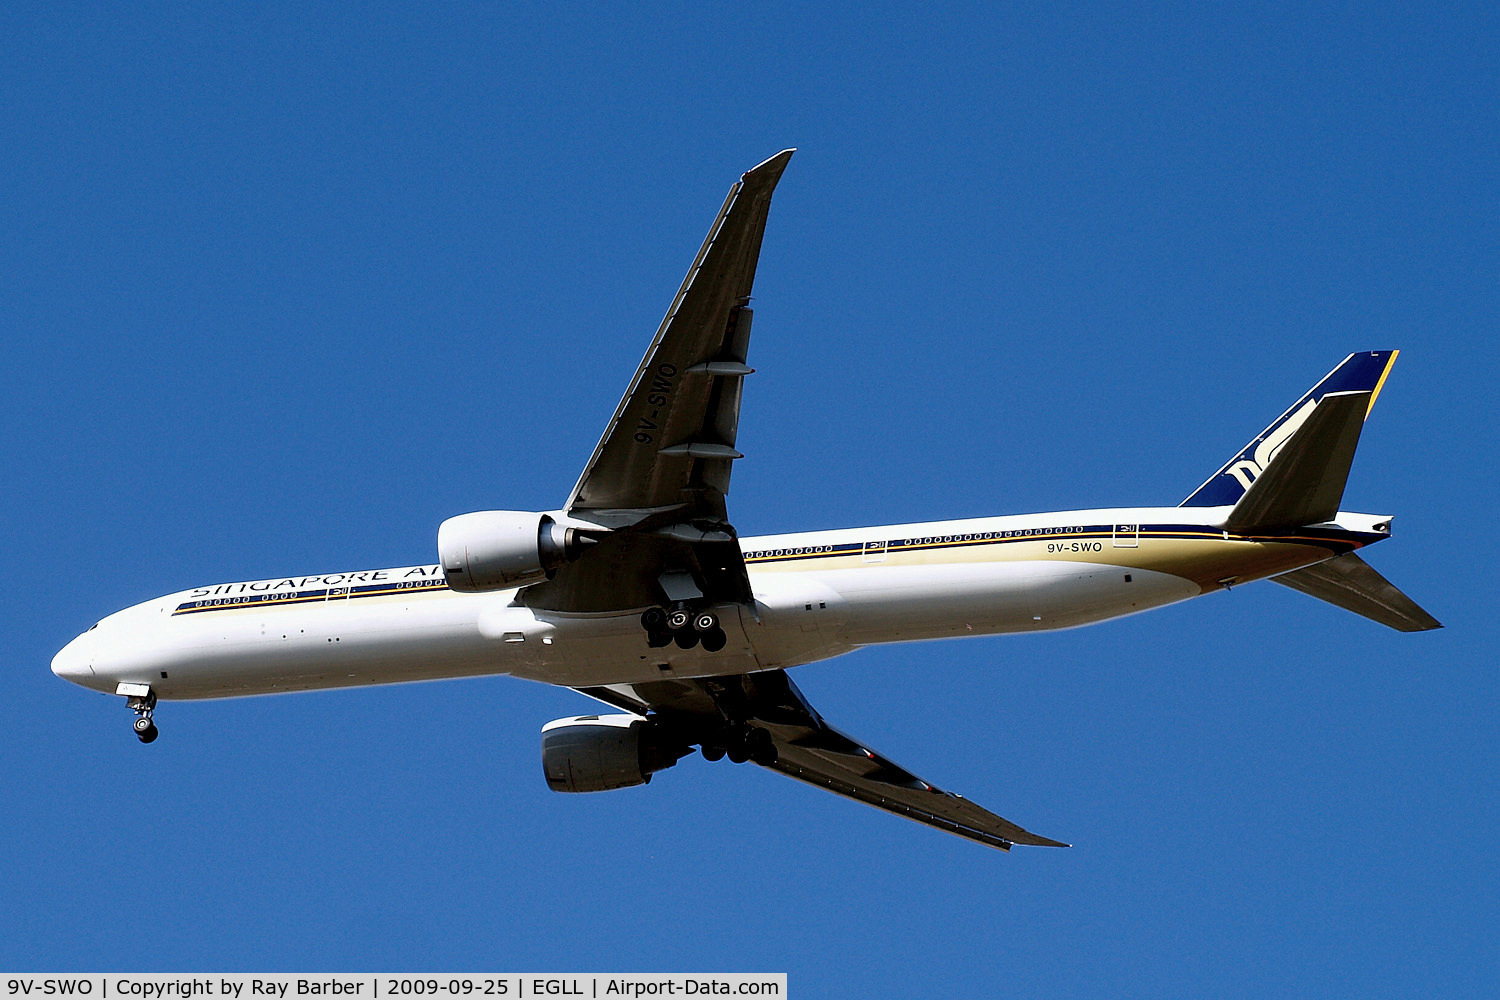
[496, 549]
[595, 753]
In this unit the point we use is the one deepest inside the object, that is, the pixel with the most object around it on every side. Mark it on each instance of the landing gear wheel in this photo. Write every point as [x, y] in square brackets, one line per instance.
[762, 747]
[705, 621]
[738, 752]
[711, 752]
[686, 640]
[654, 619]
[678, 620]
[715, 640]
[656, 640]
[141, 700]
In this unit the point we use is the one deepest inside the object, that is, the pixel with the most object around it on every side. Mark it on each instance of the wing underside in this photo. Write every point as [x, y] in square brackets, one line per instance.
[810, 750]
[671, 439]
[658, 478]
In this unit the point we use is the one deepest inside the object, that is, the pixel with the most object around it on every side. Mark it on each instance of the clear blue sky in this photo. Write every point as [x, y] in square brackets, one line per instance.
[284, 287]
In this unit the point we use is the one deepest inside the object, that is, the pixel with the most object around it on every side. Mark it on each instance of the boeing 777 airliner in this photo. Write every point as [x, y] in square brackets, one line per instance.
[639, 592]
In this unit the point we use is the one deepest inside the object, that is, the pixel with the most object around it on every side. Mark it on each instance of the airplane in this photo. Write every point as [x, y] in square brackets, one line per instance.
[639, 592]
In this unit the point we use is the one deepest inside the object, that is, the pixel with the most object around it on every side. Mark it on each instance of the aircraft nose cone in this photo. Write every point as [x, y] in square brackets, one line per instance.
[72, 664]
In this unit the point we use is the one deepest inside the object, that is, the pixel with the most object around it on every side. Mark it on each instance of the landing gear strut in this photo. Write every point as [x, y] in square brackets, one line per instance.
[682, 625]
[141, 700]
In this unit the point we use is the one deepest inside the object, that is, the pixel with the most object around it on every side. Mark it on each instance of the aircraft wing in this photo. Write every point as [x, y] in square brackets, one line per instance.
[659, 475]
[810, 750]
[671, 440]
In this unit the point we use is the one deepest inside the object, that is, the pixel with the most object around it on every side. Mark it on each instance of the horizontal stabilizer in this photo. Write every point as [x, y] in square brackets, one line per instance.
[1350, 582]
[1303, 480]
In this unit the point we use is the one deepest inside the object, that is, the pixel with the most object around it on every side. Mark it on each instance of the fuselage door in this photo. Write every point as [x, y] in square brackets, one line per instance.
[1127, 536]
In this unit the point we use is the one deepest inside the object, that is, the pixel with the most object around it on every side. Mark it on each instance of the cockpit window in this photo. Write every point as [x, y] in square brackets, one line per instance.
[93, 626]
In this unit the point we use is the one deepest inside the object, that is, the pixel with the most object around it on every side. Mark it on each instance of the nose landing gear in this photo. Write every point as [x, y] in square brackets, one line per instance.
[141, 700]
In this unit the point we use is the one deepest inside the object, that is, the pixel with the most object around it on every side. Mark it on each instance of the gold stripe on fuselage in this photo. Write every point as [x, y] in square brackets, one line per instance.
[1206, 558]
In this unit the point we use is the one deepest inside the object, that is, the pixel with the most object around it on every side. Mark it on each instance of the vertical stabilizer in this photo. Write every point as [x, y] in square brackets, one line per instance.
[1303, 481]
[1364, 372]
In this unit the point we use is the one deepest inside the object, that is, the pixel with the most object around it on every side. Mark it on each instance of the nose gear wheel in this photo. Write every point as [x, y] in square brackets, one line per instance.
[143, 705]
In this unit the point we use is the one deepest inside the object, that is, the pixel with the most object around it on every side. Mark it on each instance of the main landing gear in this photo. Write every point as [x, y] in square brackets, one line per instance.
[142, 701]
[742, 743]
[684, 626]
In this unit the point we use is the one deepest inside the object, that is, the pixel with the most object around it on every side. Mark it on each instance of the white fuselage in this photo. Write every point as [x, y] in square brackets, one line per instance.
[817, 594]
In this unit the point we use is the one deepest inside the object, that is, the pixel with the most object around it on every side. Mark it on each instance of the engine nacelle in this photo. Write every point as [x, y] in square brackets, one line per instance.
[595, 753]
[496, 549]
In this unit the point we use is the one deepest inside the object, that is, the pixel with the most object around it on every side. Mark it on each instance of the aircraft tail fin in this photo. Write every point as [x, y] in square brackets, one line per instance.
[1304, 480]
[1303, 457]
[1352, 584]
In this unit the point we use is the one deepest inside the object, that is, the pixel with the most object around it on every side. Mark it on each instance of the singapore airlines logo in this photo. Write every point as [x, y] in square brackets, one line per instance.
[1246, 471]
